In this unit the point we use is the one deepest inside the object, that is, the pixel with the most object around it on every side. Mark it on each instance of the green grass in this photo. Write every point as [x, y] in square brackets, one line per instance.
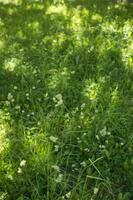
[66, 100]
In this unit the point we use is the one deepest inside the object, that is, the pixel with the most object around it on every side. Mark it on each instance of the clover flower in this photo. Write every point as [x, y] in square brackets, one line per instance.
[83, 164]
[19, 170]
[58, 100]
[53, 139]
[59, 178]
[22, 163]
[56, 168]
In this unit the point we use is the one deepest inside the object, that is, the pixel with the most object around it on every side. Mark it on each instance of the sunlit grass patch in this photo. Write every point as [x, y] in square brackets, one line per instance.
[11, 64]
[91, 90]
[3, 142]
[2, 45]
[39, 146]
[96, 17]
[58, 9]
[33, 27]
[15, 2]
[4, 131]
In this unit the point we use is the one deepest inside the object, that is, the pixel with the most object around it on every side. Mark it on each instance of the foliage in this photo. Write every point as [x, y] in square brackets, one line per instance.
[66, 100]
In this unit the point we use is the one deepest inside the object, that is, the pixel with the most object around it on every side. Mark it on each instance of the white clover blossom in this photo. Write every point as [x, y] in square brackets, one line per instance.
[59, 178]
[84, 134]
[86, 149]
[58, 100]
[56, 148]
[15, 87]
[73, 165]
[10, 177]
[68, 195]
[82, 106]
[96, 190]
[17, 107]
[104, 132]
[72, 72]
[7, 103]
[56, 168]
[83, 164]
[22, 163]
[34, 71]
[19, 170]
[10, 96]
[53, 139]
[102, 146]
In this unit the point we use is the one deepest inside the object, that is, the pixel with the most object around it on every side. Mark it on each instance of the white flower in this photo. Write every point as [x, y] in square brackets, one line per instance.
[73, 165]
[59, 178]
[19, 170]
[103, 132]
[38, 123]
[7, 103]
[68, 195]
[83, 164]
[95, 190]
[17, 107]
[86, 149]
[10, 177]
[83, 105]
[84, 134]
[15, 87]
[59, 103]
[34, 71]
[108, 133]
[56, 168]
[101, 146]
[72, 72]
[58, 100]
[56, 148]
[53, 139]
[22, 163]
[10, 96]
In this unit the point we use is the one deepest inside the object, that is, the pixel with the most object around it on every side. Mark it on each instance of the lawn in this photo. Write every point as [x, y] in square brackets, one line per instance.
[66, 100]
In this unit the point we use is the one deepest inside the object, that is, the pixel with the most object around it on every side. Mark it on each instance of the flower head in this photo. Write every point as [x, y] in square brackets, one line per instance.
[19, 170]
[59, 178]
[22, 163]
[56, 168]
[53, 139]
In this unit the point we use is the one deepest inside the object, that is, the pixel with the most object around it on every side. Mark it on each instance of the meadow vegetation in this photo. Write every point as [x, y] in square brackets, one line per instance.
[66, 100]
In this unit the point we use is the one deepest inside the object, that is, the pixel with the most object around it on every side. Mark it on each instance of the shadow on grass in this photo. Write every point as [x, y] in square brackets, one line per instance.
[75, 49]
